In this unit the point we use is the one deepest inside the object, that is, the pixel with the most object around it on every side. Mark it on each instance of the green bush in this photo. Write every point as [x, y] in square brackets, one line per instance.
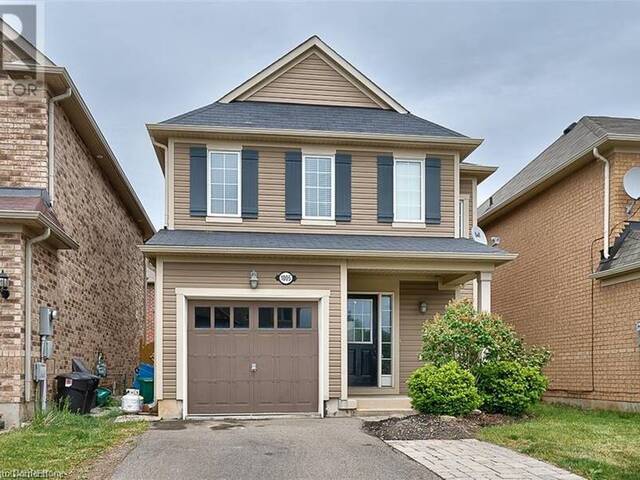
[443, 390]
[509, 387]
[471, 338]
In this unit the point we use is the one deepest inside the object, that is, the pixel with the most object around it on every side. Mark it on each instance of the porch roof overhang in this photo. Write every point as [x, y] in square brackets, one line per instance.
[38, 221]
[189, 242]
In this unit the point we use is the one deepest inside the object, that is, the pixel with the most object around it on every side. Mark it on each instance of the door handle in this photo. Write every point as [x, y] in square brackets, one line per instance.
[253, 367]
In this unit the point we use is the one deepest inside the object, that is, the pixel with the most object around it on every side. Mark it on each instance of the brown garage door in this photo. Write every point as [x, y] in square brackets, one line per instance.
[252, 357]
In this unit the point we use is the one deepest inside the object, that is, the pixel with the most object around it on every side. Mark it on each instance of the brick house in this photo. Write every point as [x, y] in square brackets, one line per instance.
[313, 226]
[569, 288]
[70, 227]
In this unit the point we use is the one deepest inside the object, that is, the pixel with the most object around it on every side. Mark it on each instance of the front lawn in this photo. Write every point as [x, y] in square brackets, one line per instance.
[61, 441]
[594, 444]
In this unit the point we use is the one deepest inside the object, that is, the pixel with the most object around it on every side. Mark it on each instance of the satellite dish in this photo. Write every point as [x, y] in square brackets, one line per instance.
[631, 182]
[478, 235]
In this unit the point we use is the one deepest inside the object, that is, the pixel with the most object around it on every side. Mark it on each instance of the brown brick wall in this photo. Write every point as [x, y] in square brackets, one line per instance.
[149, 330]
[11, 318]
[546, 292]
[99, 289]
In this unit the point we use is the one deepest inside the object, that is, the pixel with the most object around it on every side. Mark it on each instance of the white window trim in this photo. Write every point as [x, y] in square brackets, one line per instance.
[220, 216]
[382, 377]
[463, 220]
[333, 187]
[395, 191]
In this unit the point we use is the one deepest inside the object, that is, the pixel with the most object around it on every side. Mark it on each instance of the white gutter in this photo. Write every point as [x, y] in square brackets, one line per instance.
[166, 186]
[607, 168]
[27, 311]
[51, 139]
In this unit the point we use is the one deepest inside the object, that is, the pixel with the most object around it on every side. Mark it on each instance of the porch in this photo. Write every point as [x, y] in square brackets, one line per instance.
[385, 310]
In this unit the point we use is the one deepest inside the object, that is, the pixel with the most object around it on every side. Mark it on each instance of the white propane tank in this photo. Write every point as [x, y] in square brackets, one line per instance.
[132, 401]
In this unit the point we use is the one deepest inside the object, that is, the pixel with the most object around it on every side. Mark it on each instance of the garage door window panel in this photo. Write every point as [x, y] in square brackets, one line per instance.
[265, 317]
[241, 317]
[304, 318]
[222, 317]
[285, 317]
[202, 317]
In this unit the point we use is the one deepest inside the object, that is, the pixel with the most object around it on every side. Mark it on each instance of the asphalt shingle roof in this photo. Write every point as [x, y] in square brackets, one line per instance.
[626, 249]
[587, 131]
[313, 242]
[310, 117]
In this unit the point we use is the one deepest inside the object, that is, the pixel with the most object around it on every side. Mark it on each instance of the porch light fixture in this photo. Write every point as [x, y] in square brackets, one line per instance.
[422, 306]
[4, 285]
[253, 279]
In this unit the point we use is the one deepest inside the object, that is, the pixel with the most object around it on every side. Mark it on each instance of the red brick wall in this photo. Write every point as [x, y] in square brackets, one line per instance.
[546, 292]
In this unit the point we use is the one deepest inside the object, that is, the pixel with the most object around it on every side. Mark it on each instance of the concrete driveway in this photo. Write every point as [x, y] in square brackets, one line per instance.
[294, 448]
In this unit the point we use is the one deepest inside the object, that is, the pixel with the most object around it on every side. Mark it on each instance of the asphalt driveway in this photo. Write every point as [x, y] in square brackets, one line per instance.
[294, 448]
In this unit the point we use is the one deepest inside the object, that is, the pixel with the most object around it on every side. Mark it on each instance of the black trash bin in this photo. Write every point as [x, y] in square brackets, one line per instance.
[78, 389]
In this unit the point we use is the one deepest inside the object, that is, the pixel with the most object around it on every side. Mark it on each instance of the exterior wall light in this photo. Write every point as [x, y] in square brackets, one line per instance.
[4, 285]
[422, 306]
[253, 279]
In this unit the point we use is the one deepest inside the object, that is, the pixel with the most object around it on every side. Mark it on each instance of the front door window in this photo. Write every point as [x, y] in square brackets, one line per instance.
[362, 339]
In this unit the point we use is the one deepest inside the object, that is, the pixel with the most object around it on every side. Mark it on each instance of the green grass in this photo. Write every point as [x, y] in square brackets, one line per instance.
[61, 441]
[592, 443]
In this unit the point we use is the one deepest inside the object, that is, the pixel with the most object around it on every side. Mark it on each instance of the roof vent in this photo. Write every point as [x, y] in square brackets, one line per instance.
[569, 128]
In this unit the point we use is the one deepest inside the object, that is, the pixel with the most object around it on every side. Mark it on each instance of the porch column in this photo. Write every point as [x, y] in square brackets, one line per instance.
[484, 291]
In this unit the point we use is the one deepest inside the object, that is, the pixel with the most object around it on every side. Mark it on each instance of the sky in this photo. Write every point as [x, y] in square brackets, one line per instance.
[513, 73]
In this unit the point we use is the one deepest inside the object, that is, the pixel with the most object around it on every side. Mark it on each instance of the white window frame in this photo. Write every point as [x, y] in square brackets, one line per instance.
[386, 380]
[332, 158]
[363, 342]
[224, 215]
[463, 216]
[395, 190]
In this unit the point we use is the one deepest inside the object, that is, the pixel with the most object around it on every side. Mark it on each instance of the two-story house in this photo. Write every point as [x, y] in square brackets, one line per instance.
[70, 228]
[313, 225]
[576, 282]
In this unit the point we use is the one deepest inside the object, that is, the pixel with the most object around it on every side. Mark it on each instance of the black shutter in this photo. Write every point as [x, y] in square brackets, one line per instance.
[293, 185]
[343, 187]
[432, 191]
[385, 189]
[249, 184]
[198, 181]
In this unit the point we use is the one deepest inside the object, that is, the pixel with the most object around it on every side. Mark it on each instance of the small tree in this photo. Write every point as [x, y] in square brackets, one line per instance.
[471, 339]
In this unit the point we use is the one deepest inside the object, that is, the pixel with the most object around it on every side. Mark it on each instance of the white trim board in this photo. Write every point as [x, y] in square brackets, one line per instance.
[183, 295]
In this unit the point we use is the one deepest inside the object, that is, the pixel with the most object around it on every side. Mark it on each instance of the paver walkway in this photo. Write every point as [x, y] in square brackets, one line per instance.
[476, 460]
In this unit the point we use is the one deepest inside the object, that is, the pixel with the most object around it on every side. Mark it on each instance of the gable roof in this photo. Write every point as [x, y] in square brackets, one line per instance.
[314, 46]
[576, 144]
[624, 255]
[287, 116]
[59, 81]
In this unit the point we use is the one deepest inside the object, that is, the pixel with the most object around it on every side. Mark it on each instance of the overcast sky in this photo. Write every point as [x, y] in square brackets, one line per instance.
[515, 74]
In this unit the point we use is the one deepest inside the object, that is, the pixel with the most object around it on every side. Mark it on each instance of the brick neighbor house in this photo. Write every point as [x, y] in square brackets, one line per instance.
[563, 291]
[68, 216]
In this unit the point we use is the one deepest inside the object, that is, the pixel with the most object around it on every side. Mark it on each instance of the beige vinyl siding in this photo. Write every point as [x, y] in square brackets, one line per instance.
[466, 187]
[236, 275]
[411, 321]
[271, 198]
[314, 80]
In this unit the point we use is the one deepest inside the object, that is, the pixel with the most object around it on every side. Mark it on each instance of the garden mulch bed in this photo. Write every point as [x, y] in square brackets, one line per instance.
[440, 427]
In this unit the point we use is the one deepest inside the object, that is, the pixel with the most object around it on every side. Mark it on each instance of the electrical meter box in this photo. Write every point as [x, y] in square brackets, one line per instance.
[47, 349]
[47, 316]
[39, 371]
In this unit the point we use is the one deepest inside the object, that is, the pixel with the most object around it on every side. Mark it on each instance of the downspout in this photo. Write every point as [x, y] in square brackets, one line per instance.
[165, 149]
[28, 252]
[51, 139]
[607, 167]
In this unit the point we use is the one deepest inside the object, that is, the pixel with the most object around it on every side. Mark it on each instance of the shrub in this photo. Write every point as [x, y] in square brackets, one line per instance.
[509, 387]
[443, 390]
[471, 338]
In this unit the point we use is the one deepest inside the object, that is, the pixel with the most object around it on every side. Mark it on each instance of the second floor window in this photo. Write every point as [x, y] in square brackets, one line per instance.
[317, 187]
[408, 191]
[224, 184]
